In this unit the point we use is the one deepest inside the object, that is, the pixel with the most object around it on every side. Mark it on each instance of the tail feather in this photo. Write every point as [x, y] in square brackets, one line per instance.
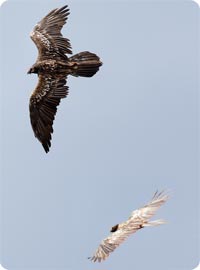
[86, 64]
[154, 223]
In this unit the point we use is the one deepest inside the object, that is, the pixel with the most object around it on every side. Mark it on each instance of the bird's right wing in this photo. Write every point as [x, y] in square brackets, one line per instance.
[110, 243]
[43, 106]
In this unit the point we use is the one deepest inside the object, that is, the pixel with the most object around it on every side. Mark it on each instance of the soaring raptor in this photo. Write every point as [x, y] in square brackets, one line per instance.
[53, 66]
[139, 219]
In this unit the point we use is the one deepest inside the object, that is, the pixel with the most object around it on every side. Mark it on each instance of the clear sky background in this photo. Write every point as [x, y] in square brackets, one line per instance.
[118, 137]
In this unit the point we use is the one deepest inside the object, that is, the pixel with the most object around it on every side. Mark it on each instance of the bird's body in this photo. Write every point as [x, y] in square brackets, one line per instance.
[53, 66]
[68, 67]
[139, 219]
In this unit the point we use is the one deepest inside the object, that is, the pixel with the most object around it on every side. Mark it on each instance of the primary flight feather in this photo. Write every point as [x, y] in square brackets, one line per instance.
[53, 66]
[139, 219]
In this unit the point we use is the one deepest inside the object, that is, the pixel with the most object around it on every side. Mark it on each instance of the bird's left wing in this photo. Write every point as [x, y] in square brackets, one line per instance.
[43, 106]
[110, 243]
[48, 38]
[143, 214]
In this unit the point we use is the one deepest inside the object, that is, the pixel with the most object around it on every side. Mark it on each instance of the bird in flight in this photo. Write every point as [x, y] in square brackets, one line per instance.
[53, 66]
[139, 219]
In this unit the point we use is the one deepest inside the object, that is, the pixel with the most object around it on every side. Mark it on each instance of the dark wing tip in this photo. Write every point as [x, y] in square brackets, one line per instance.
[63, 10]
[46, 146]
[65, 7]
[92, 259]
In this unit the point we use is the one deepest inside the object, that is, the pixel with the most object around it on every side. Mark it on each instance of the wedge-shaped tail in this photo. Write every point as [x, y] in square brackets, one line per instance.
[86, 64]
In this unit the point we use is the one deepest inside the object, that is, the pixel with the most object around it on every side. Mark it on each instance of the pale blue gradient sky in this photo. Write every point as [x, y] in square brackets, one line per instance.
[119, 136]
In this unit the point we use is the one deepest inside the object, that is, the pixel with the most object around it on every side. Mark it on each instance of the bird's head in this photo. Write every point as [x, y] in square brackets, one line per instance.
[32, 70]
[114, 228]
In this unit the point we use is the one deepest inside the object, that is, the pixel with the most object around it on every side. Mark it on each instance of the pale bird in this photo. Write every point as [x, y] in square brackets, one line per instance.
[139, 219]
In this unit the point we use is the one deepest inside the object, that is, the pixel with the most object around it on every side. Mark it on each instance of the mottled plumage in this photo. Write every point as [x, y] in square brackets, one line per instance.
[139, 219]
[53, 66]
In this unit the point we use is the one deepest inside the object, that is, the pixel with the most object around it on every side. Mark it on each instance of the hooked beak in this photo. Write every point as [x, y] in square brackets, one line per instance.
[30, 71]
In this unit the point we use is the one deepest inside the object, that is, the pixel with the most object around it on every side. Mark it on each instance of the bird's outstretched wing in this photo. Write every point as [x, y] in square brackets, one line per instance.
[145, 213]
[110, 243]
[48, 38]
[139, 219]
[43, 106]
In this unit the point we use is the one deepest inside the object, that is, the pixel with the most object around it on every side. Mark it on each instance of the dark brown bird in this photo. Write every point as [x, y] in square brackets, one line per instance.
[53, 66]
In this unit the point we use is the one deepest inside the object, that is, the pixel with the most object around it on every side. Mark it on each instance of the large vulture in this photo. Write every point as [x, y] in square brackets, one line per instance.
[139, 219]
[53, 66]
